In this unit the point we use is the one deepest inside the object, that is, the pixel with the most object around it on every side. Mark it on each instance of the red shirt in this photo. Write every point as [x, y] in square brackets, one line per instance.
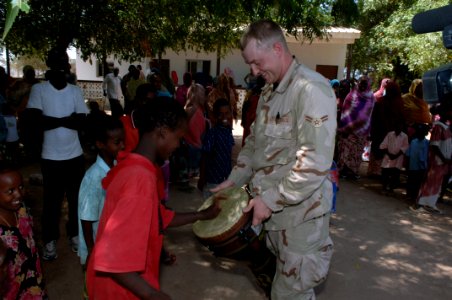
[196, 127]
[131, 136]
[129, 236]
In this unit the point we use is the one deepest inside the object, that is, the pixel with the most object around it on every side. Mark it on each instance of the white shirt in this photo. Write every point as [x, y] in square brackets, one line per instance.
[60, 143]
[112, 84]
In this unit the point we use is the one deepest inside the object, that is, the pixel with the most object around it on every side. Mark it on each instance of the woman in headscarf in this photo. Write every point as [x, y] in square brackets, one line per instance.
[386, 115]
[182, 90]
[353, 128]
[439, 159]
[343, 90]
[222, 90]
[415, 109]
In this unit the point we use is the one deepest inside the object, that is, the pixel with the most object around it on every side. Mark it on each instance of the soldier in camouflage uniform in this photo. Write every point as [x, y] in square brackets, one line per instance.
[286, 161]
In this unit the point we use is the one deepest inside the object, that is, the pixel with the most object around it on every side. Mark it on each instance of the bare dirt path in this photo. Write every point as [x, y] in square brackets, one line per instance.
[382, 251]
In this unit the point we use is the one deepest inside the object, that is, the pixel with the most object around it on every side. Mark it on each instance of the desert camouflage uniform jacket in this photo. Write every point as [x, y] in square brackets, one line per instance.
[288, 155]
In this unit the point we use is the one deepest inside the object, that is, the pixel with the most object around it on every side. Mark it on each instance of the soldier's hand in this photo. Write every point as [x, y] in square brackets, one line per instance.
[261, 211]
[225, 184]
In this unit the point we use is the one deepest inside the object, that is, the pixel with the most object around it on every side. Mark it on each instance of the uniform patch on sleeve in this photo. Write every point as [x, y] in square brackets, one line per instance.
[316, 122]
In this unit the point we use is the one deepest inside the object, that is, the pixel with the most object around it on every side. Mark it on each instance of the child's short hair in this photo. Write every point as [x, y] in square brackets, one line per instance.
[143, 90]
[219, 104]
[161, 111]
[106, 123]
[421, 129]
[7, 166]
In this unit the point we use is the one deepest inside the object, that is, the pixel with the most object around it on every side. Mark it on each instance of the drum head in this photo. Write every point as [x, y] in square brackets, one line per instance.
[236, 199]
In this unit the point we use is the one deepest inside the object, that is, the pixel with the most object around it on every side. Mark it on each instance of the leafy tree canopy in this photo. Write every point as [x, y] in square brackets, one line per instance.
[389, 47]
[132, 29]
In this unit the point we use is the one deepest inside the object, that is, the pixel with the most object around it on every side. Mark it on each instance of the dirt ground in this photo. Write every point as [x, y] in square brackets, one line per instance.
[383, 250]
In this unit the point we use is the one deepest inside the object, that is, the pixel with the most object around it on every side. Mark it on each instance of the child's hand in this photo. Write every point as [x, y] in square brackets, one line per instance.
[212, 211]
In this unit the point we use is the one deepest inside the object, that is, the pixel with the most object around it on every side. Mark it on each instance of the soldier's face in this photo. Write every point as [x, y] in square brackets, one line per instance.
[263, 60]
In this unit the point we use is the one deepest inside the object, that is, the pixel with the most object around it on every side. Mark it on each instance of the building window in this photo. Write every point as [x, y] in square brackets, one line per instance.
[329, 72]
[195, 66]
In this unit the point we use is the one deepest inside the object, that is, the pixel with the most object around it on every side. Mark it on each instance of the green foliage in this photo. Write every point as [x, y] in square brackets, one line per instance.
[345, 13]
[12, 11]
[389, 47]
[132, 29]
[311, 16]
[37, 63]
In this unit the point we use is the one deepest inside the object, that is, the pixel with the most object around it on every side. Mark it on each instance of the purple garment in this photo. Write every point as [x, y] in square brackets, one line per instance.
[356, 113]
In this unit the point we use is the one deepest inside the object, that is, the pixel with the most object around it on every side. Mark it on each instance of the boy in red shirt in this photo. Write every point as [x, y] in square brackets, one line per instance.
[126, 256]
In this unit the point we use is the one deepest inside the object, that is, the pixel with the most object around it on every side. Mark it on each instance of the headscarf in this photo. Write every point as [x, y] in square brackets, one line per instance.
[334, 83]
[357, 109]
[379, 94]
[415, 109]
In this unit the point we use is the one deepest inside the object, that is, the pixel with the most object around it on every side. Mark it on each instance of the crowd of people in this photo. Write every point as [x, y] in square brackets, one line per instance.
[296, 126]
[394, 127]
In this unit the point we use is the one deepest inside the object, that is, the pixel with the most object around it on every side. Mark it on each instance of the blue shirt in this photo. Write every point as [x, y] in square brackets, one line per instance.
[91, 199]
[418, 154]
[217, 144]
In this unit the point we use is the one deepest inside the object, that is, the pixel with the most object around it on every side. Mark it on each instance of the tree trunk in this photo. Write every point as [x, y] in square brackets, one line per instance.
[218, 60]
[8, 67]
[348, 60]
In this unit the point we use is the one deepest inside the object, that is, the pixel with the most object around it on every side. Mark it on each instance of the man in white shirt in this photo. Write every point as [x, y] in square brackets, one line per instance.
[59, 107]
[112, 89]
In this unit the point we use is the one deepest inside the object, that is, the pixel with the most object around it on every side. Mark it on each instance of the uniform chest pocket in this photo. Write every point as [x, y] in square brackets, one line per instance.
[280, 142]
[278, 131]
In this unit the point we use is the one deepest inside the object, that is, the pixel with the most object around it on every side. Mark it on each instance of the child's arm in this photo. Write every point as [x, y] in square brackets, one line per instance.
[88, 235]
[187, 218]
[137, 285]
[207, 145]
[202, 172]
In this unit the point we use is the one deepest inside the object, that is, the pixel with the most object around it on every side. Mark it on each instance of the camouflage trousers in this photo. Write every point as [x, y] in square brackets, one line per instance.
[303, 258]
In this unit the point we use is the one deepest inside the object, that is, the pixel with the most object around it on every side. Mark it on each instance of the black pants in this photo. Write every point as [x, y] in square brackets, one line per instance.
[60, 179]
[391, 178]
[116, 108]
[414, 181]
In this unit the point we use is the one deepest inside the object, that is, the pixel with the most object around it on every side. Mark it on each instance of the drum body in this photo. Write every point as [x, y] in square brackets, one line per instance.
[230, 233]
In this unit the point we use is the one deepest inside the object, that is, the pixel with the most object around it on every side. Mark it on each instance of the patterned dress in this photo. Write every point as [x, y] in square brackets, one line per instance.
[24, 276]
[354, 128]
[437, 169]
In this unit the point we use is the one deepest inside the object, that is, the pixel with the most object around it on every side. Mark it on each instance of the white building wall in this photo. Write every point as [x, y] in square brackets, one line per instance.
[235, 62]
[308, 54]
[321, 54]
[87, 70]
